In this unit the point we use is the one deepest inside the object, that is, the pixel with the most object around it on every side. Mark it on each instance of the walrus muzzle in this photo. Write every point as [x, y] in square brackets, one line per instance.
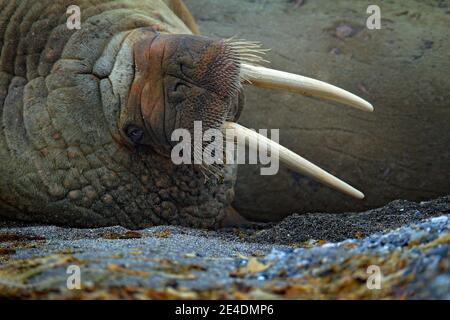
[180, 79]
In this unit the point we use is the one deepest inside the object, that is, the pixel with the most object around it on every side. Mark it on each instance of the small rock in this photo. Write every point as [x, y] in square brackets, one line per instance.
[345, 31]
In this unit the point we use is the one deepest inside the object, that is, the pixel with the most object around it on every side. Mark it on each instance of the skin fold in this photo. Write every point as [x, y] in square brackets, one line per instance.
[87, 114]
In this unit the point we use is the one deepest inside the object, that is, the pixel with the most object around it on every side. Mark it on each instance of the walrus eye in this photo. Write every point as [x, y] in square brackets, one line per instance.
[135, 133]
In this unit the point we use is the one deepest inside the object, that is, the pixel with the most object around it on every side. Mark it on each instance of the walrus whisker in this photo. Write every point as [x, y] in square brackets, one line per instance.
[293, 160]
[252, 57]
[274, 79]
[249, 55]
[253, 49]
[247, 51]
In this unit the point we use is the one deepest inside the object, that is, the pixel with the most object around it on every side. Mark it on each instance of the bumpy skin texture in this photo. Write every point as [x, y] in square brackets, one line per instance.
[62, 155]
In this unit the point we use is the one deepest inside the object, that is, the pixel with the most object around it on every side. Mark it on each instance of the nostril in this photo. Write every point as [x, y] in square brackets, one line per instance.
[181, 65]
[135, 133]
[185, 70]
[178, 92]
[179, 87]
[185, 66]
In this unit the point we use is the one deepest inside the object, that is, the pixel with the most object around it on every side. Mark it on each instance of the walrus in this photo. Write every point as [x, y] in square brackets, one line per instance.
[87, 114]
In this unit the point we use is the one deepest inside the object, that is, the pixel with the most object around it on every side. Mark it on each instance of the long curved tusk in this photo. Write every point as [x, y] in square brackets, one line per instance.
[293, 160]
[274, 79]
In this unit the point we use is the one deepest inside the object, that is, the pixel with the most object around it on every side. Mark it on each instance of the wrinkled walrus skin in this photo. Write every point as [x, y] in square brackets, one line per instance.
[63, 157]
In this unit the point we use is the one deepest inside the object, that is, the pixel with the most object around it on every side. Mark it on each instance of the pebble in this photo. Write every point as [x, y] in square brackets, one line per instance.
[345, 31]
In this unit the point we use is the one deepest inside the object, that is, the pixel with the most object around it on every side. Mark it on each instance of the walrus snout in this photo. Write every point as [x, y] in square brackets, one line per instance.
[180, 79]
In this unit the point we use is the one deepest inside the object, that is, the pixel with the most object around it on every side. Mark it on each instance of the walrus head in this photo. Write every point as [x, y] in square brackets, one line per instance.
[180, 79]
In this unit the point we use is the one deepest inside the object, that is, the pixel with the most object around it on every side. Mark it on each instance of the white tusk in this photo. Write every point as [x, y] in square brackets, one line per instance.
[293, 160]
[274, 79]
